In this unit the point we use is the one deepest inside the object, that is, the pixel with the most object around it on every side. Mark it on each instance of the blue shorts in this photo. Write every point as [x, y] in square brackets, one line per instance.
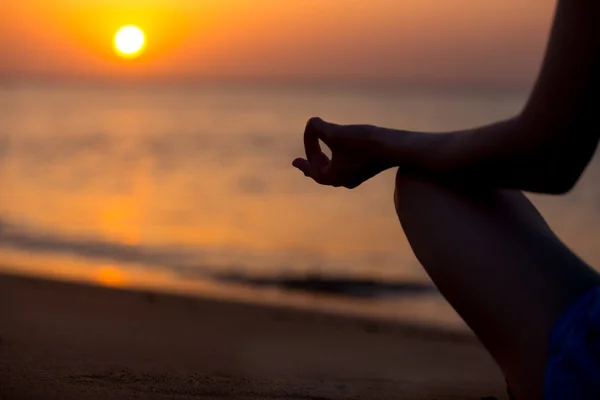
[573, 369]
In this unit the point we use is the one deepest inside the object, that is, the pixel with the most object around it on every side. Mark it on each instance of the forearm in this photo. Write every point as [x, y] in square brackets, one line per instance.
[493, 155]
[508, 154]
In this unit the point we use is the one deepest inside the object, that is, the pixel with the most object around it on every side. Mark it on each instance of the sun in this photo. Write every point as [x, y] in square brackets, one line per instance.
[129, 41]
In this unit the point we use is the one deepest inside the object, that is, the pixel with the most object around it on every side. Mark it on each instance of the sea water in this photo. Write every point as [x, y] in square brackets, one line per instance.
[168, 186]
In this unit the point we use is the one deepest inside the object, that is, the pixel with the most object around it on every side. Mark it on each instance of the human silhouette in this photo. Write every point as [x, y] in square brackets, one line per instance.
[532, 302]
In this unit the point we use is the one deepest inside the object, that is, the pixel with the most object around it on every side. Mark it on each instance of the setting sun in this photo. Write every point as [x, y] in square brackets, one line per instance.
[129, 41]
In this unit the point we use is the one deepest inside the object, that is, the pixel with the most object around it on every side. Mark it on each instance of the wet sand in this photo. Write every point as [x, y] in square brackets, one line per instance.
[69, 341]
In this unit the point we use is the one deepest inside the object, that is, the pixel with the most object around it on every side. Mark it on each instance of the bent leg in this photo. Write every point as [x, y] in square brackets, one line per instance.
[500, 266]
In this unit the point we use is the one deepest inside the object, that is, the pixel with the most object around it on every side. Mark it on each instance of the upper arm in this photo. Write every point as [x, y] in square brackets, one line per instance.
[561, 112]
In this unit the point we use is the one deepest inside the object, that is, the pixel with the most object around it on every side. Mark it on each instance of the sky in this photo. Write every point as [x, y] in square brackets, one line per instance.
[478, 42]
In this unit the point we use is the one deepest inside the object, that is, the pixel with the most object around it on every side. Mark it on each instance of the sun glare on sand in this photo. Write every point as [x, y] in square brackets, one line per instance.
[110, 276]
[129, 41]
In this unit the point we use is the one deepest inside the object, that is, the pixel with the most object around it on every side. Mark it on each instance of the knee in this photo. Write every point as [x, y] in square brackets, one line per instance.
[414, 192]
[406, 188]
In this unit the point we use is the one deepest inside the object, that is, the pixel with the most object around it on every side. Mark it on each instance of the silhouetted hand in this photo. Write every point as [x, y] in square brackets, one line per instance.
[358, 153]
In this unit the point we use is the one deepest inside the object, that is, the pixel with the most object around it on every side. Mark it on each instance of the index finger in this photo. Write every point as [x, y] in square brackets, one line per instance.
[311, 140]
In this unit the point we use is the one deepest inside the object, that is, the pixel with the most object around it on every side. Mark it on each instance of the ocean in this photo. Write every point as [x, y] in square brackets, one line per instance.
[189, 188]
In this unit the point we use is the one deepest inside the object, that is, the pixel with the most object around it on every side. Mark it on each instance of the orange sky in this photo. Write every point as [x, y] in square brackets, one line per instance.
[472, 41]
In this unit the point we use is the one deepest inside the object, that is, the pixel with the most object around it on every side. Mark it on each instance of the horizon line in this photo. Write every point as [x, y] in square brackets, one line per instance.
[268, 81]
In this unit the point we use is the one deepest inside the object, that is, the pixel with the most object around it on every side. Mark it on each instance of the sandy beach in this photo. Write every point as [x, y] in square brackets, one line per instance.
[69, 341]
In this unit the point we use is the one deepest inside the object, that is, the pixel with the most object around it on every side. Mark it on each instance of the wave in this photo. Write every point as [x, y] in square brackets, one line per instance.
[26, 238]
[339, 286]
[189, 264]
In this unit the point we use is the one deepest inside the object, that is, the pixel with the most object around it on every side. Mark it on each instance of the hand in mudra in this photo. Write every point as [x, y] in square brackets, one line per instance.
[358, 153]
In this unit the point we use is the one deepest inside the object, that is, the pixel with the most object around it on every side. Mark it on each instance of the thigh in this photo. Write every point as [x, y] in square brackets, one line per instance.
[500, 266]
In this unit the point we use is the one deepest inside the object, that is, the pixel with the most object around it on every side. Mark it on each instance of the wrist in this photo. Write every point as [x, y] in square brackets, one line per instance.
[406, 149]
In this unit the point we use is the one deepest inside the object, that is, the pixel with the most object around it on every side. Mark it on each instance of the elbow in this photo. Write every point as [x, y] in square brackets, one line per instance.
[573, 167]
[562, 179]
[560, 187]
[552, 186]
[549, 179]
[563, 165]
